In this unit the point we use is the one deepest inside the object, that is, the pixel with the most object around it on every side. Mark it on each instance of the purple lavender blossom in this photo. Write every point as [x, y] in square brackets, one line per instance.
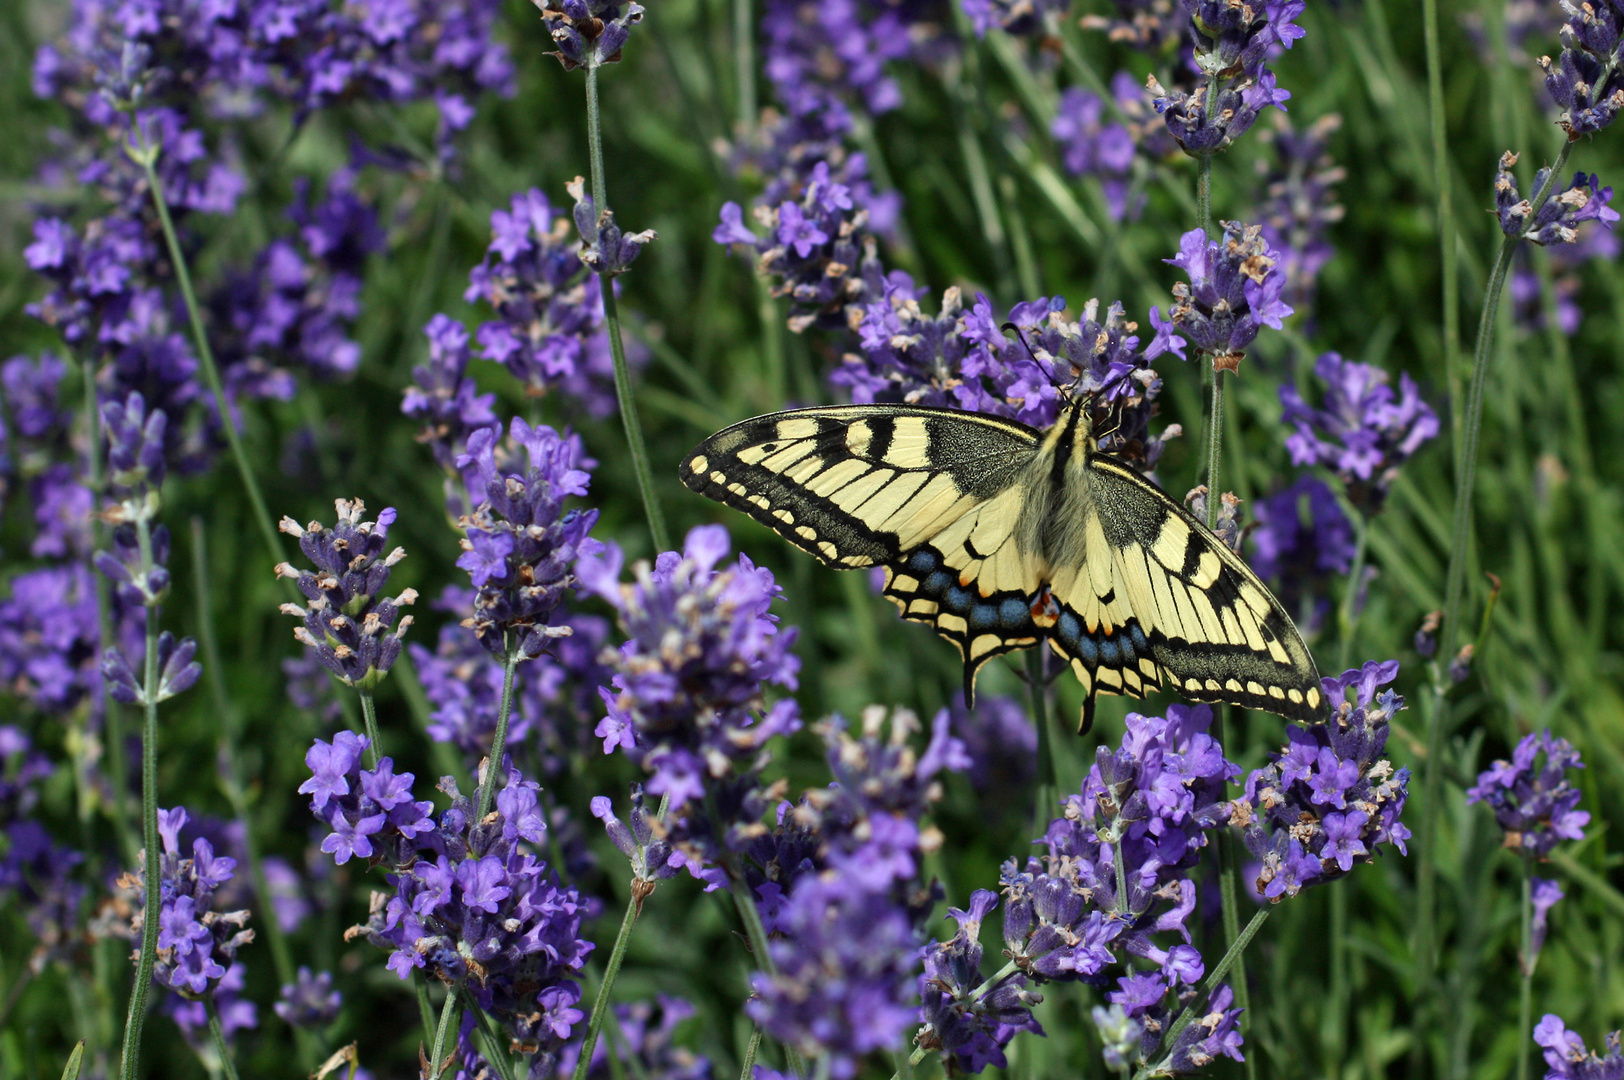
[195, 942]
[651, 856]
[1360, 431]
[1214, 1034]
[820, 53]
[549, 332]
[1526, 289]
[1231, 43]
[1544, 896]
[177, 671]
[588, 33]
[1209, 118]
[961, 358]
[648, 1036]
[351, 628]
[36, 872]
[469, 904]
[1300, 202]
[816, 243]
[520, 544]
[688, 703]
[443, 398]
[236, 1012]
[1234, 290]
[1150, 26]
[971, 1031]
[1303, 543]
[1091, 146]
[1534, 802]
[1012, 16]
[1328, 799]
[605, 247]
[999, 740]
[310, 1001]
[298, 302]
[844, 971]
[1567, 1057]
[1559, 218]
[50, 637]
[555, 697]
[1587, 80]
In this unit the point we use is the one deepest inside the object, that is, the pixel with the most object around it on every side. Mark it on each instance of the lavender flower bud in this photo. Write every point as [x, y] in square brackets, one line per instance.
[1587, 82]
[588, 33]
[604, 247]
[351, 628]
[651, 857]
[971, 1031]
[177, 671]
[1558, 219]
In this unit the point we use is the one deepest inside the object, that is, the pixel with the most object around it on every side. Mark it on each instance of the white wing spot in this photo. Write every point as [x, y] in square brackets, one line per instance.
[828, 549]
[1277, 693]
[807, 533]
[1313, 697]
[736, 489]
[698, 465]
[785, 516]
[858, 437]
[953, 624]
[1255, 689]
[1295, 695]
[905, 583]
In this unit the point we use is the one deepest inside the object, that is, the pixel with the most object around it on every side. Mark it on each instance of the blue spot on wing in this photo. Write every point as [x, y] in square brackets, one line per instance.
[1013, 613]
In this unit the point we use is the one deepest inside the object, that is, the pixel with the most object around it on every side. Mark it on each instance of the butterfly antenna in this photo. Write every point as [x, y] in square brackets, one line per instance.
[1010, 327]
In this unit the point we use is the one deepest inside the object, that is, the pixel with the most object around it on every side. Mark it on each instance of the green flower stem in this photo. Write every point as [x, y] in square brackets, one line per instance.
[234, 782]
[112, 713]
[1438, 721]
[611, 318]
[1228, 888]
[442, 1032]
[600, 1005]
[748, 1071]
[756, 933]
[491, 1043]
[369, 720]
[425, 1009]
[493, 766]
[1525, 961]
[1446, 220]
[147, 157]
[1216, 976]
[744, 63]
[217, 1034]
[131, 1059]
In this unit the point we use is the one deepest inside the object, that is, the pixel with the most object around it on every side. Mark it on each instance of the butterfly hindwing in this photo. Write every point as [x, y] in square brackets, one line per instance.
[1213, 629]
[973, 584]
[860, 485]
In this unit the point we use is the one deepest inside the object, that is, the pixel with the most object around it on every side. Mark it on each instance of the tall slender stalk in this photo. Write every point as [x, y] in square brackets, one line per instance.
[1438, 720]
[744, 63]
[611, 318]
[1525, 961]
[217, 1035]
[493, 767]
[600, 1005]
[147, 156]
[112, 717]
[1446, 217]
[442, 1035]
[369, 720]
[130, 1063]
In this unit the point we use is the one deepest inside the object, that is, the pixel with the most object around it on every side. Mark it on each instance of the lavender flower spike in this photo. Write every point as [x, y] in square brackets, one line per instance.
[1567, 1058]
[351, 628]
[1234, 290]
[588, 33]
[1534, 803]
[1559, 218]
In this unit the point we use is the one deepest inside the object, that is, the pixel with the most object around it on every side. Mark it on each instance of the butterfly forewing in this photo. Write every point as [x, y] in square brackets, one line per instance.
[860, 485]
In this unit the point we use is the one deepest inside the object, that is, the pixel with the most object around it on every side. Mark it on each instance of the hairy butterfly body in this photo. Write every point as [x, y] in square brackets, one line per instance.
[1002, 537]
